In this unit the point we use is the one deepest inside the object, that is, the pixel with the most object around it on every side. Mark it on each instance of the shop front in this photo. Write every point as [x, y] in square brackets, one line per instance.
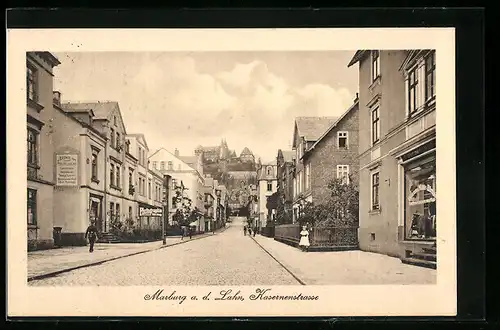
[418, 203]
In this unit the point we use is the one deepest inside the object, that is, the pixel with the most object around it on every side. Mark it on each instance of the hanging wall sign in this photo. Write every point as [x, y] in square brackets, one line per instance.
[150, 212]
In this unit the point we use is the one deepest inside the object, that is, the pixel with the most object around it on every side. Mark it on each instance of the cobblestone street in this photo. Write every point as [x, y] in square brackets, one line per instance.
[228, 258]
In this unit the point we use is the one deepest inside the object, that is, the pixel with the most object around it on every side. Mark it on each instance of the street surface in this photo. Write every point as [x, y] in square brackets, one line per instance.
[229, 258]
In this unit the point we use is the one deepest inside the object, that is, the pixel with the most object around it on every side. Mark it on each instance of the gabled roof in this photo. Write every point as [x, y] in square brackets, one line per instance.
[334, 124]
[172, 154]
[288, 155]
[189, 159]
[142, 137]
[102, 109]
[246, 151]
[357, 57]
[311, 128]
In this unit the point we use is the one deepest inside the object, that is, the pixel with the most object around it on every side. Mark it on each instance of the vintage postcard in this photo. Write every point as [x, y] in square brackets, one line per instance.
[257, 172]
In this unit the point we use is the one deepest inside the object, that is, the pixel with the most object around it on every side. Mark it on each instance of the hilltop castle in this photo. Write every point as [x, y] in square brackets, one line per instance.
[222, 152]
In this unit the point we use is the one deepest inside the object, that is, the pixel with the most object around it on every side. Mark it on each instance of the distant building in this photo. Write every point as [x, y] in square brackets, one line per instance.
[397, 148]
[268, 185]
[40, 149]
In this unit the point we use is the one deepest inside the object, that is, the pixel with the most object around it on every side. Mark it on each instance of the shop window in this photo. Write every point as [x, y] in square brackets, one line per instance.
[32, 210]
[420, 200]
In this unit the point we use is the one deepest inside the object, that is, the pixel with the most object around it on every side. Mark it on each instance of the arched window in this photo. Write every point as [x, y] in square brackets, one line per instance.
[269, 170]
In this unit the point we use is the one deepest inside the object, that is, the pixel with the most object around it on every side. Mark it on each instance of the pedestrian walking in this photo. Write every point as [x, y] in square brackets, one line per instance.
[245, 230]
[304, 239]
[91, 234]
[254, 231]
[250, 231]
[190, 232]
[183, 232]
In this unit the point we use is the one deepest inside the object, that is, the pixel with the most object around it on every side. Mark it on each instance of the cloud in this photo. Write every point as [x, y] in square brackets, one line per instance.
[166, 97]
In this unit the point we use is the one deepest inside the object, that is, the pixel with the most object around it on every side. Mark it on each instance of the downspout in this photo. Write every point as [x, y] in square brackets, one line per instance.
[105, 184]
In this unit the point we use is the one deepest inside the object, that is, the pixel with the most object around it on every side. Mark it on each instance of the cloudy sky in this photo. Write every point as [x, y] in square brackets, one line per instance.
[181, 100]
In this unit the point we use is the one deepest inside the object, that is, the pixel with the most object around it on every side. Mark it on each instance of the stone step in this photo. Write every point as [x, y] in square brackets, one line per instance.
[424, 256]
[419, 262]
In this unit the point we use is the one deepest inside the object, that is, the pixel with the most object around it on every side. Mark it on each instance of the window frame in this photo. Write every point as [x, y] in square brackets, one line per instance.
[112, 137]
[35, 145]
[33, 202]
[346, 133]
[375, 64]
[412, 88]
[375, 124]
[94, 167]
[170, 165]
[112, 174]
[32, 80]
[375, 206]
[340, 170]
[430, 72]
[118, 176]
[269, 185]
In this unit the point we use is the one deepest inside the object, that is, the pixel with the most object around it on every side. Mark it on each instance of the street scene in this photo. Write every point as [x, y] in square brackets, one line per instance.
[231, 168]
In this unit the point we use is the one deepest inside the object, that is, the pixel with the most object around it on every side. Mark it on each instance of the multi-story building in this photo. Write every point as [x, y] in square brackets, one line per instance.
[210, 205]
[397, 153]
[307, 130]
[40, 153]
[116, 200]
[334, 155]
[143, 182]
[268, 185]
[285, 168]
[188, 176]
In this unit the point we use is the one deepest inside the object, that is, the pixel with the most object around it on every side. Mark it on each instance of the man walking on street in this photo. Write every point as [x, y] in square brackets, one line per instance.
[245, 230]
[190, 232]
[91, 234]
[254, 230]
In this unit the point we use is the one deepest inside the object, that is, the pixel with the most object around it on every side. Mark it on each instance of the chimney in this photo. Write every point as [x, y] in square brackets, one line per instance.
[357, 98]
[176, 152]
[56, 98]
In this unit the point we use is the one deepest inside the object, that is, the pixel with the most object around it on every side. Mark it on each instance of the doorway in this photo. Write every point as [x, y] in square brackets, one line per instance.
[95, 213]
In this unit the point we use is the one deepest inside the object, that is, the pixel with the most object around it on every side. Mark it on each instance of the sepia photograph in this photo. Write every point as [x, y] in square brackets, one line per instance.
[240, 169]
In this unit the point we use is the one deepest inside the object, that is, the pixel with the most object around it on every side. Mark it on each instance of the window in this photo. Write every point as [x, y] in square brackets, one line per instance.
[32, 83]
[269, 186]
[149, 189]
[412, 91]
[112, 175]
[118, 215]
[112, 136]
[118, 140]
[112, 211]
[342, 139]
[375, 191]
[308, 176]
[375, 125]
[162, 165]
[94, 165]
[130, 183]
[32, 211]
[343, 173]
[375, 64]
[269, 171]
[155, 165]
[130, 212]
[127, 145]
[114, 120]
[118, 179]
[170, 166]
[430, 75]
[32, 147]
[420, 199]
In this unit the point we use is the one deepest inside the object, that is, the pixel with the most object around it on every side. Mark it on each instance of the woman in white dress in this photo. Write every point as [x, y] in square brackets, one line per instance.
[304, 239]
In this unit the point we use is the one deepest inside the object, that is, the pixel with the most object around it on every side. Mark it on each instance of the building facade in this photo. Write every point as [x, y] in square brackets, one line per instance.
[40, 150]
[397, 153]
[268, 185]
[307, 130]
[334, 155]
[284, 170]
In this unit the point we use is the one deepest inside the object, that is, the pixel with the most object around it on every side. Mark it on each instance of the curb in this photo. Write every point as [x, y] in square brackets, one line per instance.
[284, 267]
[96, 263]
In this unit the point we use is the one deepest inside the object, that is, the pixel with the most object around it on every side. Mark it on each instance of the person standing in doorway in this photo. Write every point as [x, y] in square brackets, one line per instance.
[91, 235]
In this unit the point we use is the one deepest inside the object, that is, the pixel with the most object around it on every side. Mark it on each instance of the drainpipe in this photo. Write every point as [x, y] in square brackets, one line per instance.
[105, 183]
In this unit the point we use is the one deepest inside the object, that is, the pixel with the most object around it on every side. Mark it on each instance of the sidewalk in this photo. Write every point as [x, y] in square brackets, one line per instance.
[54, 261]
[345, 267]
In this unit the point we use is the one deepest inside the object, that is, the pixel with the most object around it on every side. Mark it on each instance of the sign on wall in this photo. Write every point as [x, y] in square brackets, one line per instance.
[67, 170]
[150, 212]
